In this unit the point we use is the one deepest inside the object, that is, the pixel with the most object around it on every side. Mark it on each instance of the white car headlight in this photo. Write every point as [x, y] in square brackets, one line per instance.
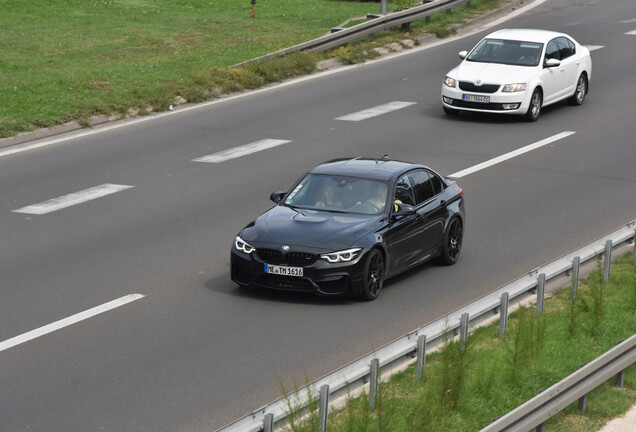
[512, 88]
[450, 82]
[341, 256]
[243, 246]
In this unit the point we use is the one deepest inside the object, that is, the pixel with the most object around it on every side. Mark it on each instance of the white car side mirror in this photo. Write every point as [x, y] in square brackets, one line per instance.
[550, 63]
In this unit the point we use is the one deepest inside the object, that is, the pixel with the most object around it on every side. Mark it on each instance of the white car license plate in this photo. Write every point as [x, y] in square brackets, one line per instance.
[477, 98]
[280, 270]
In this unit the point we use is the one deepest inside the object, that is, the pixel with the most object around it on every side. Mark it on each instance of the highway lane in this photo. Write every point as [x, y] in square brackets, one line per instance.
[197, 352]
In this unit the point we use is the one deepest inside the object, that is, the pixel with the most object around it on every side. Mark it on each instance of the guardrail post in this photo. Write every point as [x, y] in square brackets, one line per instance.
[608, 260]
[463, 331]
[582, 404]
[383, 6]
[324, 407]
[541, 428]
[503, 315]
[620, 379]
[268, 423]
[576, 266]
[421, 356]
[540, 293]
[373, 383]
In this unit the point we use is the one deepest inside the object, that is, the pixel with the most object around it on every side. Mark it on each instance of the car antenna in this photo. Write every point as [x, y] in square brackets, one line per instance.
[385, 157]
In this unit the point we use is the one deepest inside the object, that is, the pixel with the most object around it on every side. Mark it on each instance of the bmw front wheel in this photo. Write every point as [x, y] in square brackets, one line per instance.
[373, 275]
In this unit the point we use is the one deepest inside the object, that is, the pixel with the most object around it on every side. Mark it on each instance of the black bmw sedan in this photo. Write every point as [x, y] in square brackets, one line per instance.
[348, 225]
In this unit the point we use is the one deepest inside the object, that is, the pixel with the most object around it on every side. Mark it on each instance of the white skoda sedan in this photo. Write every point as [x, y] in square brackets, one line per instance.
[518, 71]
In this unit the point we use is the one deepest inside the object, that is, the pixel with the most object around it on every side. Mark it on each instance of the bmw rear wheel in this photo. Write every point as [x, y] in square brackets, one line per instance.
[373, 275]
[453, 238]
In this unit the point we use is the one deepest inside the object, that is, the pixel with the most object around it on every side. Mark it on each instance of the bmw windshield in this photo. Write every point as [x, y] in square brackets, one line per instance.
[341, 194]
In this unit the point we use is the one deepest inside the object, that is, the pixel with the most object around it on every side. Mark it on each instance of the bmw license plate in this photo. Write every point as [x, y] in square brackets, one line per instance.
[281, 270]
[476, 98]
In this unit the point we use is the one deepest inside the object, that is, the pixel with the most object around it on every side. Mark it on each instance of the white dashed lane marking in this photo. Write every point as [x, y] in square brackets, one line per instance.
[594, 47]
[72, 199]
[375, 111]
[57, 325]
[633, 32]
[241, 151]
[511, 155]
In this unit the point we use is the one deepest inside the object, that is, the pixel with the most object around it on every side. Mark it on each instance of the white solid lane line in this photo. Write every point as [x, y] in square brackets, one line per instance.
[57, 325]
[241, 151]
[511, 155]
[375, 111]
[72, 199]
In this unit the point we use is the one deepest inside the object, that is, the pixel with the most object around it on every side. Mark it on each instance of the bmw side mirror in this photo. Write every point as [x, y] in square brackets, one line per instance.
[550, 63]
[463, 54]
[403, 209]
[277, 197]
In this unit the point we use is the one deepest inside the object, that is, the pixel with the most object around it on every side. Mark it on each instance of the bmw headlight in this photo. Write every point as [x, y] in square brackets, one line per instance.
[450, 82]
[341, 256]
[512, 88]
[243, 246]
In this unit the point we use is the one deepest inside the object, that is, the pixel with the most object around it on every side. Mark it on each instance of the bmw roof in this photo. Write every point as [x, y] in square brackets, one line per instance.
[379, 169]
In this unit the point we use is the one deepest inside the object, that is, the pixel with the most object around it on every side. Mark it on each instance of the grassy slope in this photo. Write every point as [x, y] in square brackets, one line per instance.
[62, 60]
[465, 392]
[70, 60]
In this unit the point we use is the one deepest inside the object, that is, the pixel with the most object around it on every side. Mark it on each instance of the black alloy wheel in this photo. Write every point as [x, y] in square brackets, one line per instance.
[452, 242]
[580, 92]
[373, 275]
[534, 110]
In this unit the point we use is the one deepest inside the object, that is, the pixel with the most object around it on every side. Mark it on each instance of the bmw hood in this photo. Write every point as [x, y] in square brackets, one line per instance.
[492, 73]
[308, 229]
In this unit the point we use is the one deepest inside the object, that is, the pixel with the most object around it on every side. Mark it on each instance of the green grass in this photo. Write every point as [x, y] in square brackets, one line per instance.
[465, 391]
[70, 60]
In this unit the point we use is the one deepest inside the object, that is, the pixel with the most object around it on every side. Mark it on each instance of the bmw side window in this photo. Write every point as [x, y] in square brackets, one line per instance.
[404, 191]
[422, 185]
[438, 186]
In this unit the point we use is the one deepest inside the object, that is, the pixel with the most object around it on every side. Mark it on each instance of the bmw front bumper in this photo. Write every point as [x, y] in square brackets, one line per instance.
[319, 277]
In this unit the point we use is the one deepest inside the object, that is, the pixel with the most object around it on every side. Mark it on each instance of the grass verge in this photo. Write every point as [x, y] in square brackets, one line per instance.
[63, 61]
[465, 390]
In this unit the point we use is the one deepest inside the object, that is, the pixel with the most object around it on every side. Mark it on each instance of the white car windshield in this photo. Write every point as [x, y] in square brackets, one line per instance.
[339, 194]
[509, 52]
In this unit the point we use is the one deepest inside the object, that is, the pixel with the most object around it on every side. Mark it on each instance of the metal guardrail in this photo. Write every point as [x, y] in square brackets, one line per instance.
[379, 22]
[401, 352]
[537, 410]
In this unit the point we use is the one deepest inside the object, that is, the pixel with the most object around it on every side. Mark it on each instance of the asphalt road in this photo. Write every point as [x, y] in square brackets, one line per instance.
[194, 352]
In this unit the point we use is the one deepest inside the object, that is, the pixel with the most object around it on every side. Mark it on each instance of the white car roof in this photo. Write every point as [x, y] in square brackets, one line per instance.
[528, 35]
